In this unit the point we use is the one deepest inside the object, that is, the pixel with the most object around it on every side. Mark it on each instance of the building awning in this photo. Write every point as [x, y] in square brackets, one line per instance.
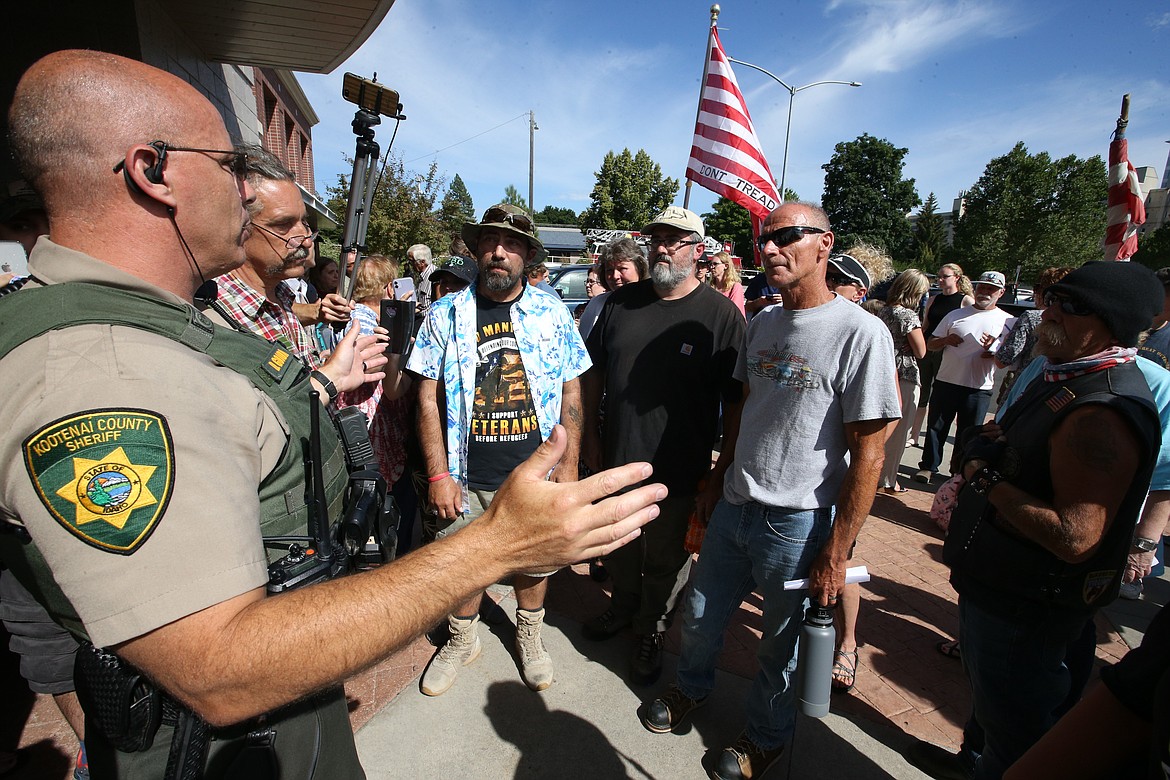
[326, 219]
[313, 37]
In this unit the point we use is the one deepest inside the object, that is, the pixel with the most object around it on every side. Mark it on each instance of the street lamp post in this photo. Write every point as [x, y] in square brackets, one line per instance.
[791, 96]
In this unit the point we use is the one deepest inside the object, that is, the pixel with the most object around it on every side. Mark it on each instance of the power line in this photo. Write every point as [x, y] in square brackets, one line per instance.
[465, 140]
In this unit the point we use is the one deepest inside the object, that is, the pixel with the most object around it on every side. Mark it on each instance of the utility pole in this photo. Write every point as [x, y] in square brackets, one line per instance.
[532, 128]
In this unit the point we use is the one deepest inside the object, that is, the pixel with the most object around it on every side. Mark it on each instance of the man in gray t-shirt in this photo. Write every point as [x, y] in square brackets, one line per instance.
[819, 392]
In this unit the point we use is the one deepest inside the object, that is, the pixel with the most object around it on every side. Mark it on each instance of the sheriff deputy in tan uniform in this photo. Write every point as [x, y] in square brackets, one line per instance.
[136, 470]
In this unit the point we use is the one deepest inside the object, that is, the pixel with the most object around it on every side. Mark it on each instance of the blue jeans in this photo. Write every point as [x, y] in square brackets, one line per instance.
[752, 547]
[1015, 663]
[947, 402]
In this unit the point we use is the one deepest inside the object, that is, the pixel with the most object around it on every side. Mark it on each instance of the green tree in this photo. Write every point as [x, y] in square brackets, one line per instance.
[930, 235]
[456, 207]
[513, 197]
[1154, 249]
[729, 221]
[403, 210]
[630, 189]
[1032, 211]
[866, 197]
[556, 215]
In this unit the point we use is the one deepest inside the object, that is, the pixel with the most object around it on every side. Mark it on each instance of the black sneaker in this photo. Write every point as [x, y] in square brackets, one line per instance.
[668, 711]
[605, 625]
[646, 667]
[934, 761]
[744, 760]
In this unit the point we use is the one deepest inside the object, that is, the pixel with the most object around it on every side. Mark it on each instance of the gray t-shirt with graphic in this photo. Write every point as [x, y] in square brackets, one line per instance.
[809, 371]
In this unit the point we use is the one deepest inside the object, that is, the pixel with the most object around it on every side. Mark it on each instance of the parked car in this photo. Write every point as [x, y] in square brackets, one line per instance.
[569, 282]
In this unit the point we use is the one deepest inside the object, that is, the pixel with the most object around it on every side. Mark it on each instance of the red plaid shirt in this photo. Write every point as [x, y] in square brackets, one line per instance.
[273, 321]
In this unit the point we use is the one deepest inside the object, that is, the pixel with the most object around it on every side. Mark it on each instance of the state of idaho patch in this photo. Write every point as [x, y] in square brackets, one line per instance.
[104, 474]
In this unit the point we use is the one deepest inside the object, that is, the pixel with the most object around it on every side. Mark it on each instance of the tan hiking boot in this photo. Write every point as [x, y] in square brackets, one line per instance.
[536, 666]
[461, 649]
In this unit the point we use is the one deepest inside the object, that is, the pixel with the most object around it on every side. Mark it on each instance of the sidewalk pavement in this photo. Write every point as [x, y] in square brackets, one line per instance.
[490, 726]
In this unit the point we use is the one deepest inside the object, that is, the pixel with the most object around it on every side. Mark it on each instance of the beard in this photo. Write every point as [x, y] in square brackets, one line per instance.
[498, 282]
[667, 275]
[1050, 338]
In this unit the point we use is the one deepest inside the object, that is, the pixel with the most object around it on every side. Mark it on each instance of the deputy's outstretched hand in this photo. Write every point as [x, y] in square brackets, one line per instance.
[540, 525]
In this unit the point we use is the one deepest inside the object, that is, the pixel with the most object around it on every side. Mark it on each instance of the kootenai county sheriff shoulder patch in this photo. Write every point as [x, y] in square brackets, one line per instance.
[105, 475]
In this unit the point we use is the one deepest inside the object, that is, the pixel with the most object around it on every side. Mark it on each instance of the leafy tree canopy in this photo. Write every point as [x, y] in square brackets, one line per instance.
[1032, 211]
[513, 197]
[729, 221]
[930, 236]
[1154, 249]
[456, 207]
[556, 215]
[402, 213]
[630, 190]
[866, 197]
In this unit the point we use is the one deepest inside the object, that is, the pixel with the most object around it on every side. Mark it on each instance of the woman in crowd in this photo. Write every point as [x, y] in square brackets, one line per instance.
[901, 316]
[954, 292]
[621, 262]
[387, 404]
[725, 279]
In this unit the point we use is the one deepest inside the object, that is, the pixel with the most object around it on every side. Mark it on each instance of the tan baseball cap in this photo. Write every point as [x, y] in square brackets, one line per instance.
[677, 217]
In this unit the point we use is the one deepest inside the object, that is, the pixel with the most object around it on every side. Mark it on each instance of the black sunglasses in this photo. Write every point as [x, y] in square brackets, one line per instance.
[1067, 305]
[839, 280]
[786, 235]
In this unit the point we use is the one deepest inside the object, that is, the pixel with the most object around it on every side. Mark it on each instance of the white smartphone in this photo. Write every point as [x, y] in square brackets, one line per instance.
[404, 288]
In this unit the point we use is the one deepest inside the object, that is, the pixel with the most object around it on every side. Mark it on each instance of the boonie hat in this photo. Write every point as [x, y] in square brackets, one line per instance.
[848, 265]
[462, 268]
[994, 278]
[508, 218]
[677, 217]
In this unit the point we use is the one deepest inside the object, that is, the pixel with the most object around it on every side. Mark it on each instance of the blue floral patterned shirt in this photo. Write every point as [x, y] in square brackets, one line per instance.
[551, 351]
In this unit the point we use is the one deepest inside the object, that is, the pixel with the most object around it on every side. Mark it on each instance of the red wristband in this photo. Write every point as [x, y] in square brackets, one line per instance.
[439, 477]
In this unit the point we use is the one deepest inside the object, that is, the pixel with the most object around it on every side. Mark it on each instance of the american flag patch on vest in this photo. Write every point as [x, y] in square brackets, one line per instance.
[1060, 399]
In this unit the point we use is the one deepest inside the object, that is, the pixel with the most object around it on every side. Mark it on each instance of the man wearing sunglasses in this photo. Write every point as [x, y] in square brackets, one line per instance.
[280, 248]
[819, 387]
[147, 452]
[968, 338]
[663, 350]
[1040, 534]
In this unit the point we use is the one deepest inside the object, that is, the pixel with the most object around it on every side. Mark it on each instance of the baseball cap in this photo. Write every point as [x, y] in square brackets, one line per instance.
[848, 265]
[462, 268]
[677, 217]
[994, 278]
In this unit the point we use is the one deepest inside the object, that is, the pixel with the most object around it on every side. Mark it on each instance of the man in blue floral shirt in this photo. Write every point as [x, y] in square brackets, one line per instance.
[499, 362]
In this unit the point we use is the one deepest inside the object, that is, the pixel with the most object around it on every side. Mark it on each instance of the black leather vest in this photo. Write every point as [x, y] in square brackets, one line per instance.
[993, 565]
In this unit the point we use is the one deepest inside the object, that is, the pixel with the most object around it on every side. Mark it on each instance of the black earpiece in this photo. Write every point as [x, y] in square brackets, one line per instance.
[153, 173]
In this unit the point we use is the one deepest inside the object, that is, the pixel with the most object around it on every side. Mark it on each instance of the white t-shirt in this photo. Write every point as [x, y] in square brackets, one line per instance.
[810, 371]
[964, 365]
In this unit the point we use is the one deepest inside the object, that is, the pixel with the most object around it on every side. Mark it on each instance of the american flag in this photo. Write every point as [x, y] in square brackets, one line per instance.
[1127, 209]
[726, 157]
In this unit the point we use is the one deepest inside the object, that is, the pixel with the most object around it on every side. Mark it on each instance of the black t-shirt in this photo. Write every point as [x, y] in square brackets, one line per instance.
[667, 366]
[504, 428]
[941, 307]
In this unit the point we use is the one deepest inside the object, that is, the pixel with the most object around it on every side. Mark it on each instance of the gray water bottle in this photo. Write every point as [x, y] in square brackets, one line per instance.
[814, 664]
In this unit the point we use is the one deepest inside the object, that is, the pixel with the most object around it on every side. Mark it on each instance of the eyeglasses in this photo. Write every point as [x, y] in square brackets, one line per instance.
[839, 280]
[1067, 305]
[671, 243]
[786, 235]
[520, 221]
[948, 276]
[292, 242]
[236, 163]
[591, 282]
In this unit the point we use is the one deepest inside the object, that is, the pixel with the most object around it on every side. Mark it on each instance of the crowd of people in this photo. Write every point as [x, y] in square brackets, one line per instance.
[204, 337]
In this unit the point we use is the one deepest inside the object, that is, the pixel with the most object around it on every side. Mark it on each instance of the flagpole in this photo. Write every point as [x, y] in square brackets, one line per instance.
[702, 86]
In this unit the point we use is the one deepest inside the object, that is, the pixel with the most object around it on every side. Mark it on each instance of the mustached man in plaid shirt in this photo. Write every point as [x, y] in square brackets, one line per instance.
[279, 248]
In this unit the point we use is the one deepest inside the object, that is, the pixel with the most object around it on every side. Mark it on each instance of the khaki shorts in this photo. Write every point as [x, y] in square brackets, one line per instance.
[478, 502]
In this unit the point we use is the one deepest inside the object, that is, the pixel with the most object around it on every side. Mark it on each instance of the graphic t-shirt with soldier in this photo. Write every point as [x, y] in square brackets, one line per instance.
[504, 428]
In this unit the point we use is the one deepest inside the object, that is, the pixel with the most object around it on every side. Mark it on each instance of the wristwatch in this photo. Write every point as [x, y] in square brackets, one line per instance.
[1145, 545]
[983, 480]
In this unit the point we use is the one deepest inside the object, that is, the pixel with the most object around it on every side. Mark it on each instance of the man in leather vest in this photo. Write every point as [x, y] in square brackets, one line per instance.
[145, 448]
[1039, 537]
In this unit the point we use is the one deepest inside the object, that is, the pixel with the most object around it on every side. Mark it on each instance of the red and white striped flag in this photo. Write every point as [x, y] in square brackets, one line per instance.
[1127, 208]
[726, 157]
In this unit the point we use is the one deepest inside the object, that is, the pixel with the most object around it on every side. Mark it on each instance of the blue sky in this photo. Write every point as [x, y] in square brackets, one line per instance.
[956, 83]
